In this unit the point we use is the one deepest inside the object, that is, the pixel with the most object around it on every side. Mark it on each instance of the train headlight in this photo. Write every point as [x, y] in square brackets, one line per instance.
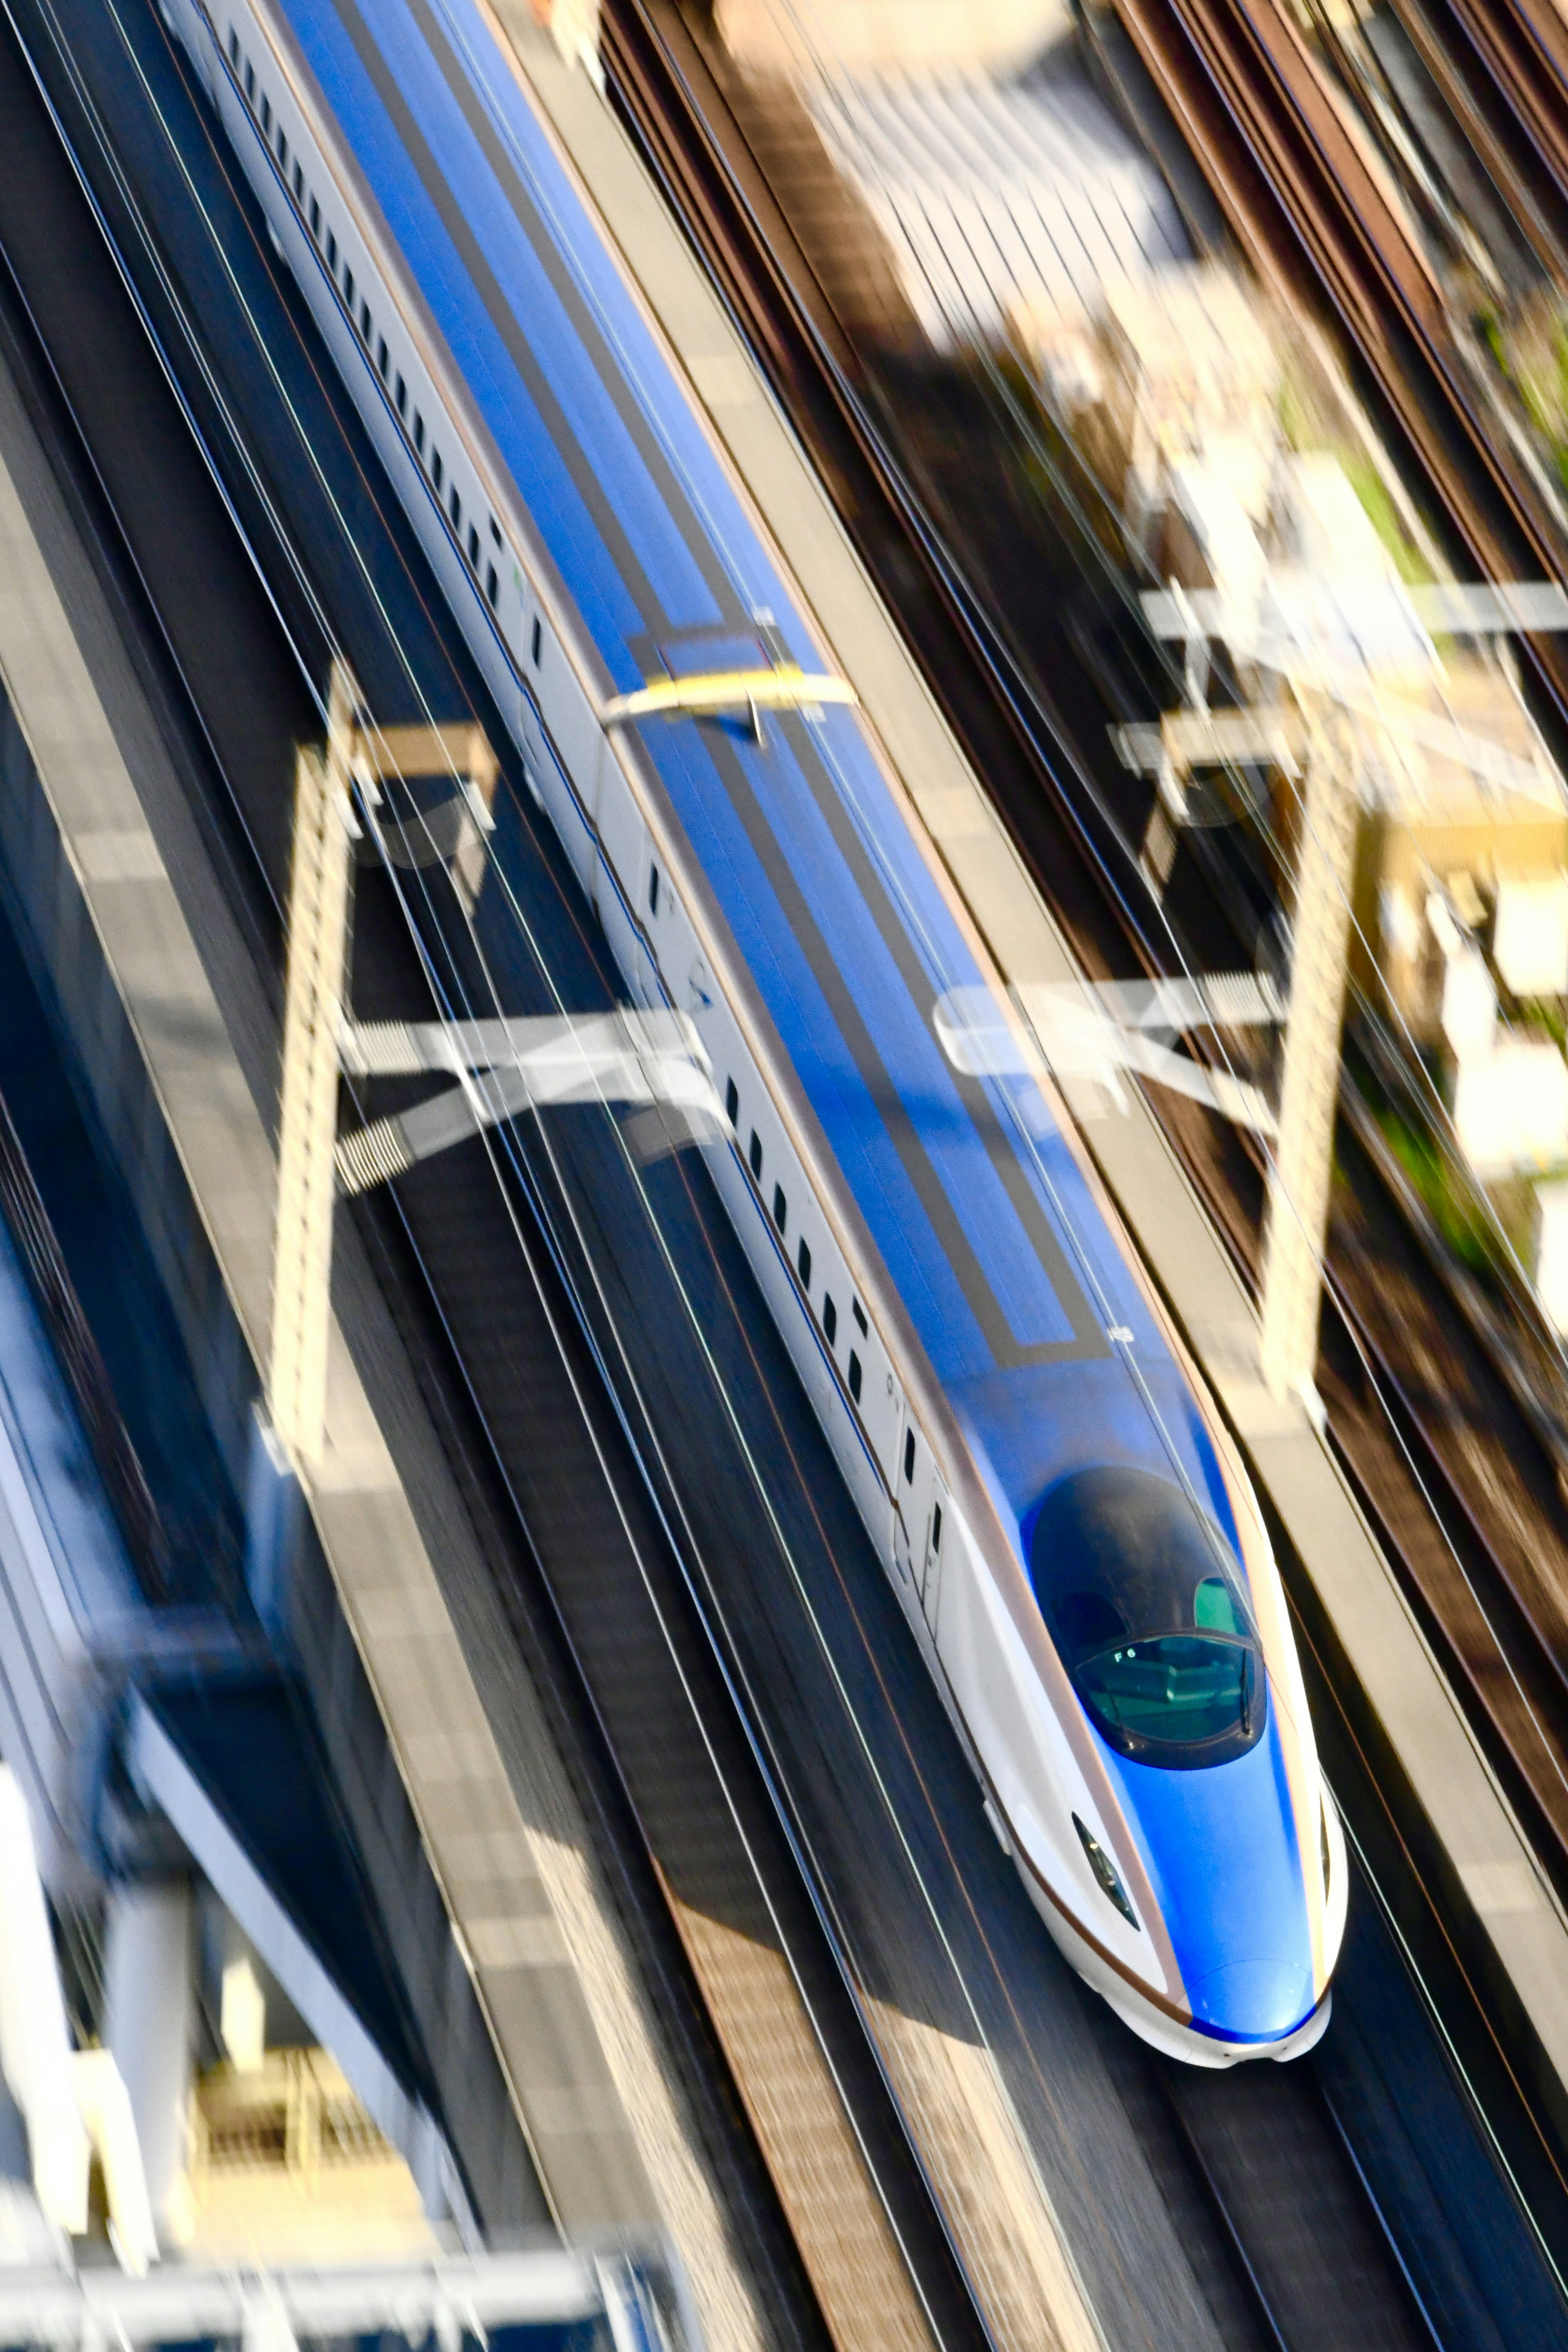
[1104, 1871]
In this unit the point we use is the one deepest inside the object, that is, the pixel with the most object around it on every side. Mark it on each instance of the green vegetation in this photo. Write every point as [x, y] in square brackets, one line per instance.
[1550, 1016]
[1530, 352]
[1488, 326]
[1294, 422]
[1374, 493]
[1460, 1217]
[1304, 428]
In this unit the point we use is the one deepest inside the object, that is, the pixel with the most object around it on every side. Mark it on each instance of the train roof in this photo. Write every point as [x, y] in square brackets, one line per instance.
[976, 1202]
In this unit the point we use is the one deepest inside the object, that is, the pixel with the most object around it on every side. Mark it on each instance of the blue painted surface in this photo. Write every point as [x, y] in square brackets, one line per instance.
[822, 822]
[38, 1417]
[973, 1199]
[95, 1223]
[1221, 1853]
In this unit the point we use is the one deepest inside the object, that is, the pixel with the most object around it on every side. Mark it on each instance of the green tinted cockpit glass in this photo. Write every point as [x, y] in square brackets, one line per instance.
[1174, 1688]
[1148, 1607]
[1214, 1608]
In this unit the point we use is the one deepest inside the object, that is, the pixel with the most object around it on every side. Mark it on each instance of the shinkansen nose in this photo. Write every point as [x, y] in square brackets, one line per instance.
[1255, 2001]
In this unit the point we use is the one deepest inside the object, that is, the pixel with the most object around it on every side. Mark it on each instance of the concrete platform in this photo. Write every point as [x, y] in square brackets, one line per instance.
[1515, 1930]
[93, 808]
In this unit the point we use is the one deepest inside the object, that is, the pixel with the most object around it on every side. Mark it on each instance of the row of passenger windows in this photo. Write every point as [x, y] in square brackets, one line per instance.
[829, 1316]
[829, 1312]
[308, 208]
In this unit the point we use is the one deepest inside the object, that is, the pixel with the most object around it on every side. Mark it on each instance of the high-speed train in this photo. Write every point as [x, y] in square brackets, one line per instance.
[1060, 1510]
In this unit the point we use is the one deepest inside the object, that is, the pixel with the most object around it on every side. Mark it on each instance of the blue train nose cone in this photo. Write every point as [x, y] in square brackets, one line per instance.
[1255, 2001]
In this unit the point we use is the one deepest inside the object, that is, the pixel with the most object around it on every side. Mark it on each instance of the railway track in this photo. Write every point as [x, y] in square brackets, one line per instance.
[1284, 2306]
[1254, 102]
[1295, 184]
[1490, 1597]
[687, 1828]
[1502, 69]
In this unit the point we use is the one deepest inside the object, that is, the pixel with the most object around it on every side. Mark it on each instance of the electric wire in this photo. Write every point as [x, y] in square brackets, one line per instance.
[1163, 918]
[466, 1006]
[498, 1144]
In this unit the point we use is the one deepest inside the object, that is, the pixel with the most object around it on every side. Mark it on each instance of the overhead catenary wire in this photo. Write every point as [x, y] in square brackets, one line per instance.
[455, 999]
[628, 64]
[424, 890]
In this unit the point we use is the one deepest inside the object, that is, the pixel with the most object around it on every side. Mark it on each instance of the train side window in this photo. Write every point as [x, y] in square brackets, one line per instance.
[653, 889]
[936, 1526]
[473, 549]
[332, 253]
[756, 1155]
[830, 1322]
[299, 183]
[538, 642]
[731, 1091]
[457, 508]
[495, 530]
[436, 468]
[316, 219]
[909, 1457]
[382, 358]
[250, 83]
[492, 585]
[364, 324]
[402, 397]
[803, 1264]
[859, 1312]
[282, 147]
[349, 289]
[234, 48]
[418, 434]
[267, 115]
[853, 1376]
[781, 1208]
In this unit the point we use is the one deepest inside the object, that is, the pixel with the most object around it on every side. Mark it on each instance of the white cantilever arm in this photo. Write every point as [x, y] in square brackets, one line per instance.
[400, 1049]
[507, 1067]
[1083, 1030]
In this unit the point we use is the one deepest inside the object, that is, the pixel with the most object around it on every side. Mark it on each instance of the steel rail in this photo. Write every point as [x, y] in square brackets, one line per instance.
[550, 1263]
[1518, 51]
[1312, 217]
[666, 115]
[1308, 240]
[412, 1245]
[1230, 2227]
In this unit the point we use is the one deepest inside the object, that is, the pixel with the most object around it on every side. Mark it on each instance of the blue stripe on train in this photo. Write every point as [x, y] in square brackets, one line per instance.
[628, 459]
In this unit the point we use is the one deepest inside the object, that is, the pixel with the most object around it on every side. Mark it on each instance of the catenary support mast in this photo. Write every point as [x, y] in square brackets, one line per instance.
[1297, 1215]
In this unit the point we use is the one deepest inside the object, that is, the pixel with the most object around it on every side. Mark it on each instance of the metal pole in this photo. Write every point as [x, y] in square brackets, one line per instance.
[1297, 1214]
[148, 2025]
[317, 942]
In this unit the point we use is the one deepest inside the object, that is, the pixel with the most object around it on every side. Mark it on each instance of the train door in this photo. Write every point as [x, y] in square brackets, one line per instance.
[904, 1566]
[919, 1497]
[930, 1565]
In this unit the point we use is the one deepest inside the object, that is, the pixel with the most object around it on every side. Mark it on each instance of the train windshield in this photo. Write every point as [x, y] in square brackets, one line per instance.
[1146, 1604]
